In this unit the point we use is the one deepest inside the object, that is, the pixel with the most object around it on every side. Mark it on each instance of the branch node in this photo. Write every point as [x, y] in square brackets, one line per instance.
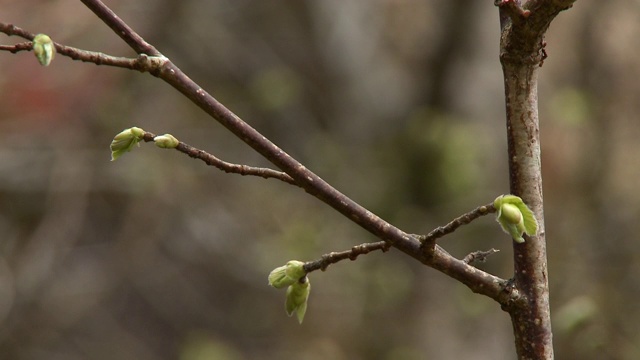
[355, 251]
[150, 64]
[511, 297]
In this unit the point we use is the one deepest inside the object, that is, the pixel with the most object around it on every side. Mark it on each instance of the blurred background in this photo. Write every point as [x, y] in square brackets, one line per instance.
[397, 103]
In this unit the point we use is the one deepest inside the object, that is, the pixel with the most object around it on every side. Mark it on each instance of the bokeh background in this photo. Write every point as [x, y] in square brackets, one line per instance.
[397, 103]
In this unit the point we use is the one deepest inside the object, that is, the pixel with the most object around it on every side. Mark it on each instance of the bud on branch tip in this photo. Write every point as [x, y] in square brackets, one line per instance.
[125, 141]
[286, 275]
[515, 217]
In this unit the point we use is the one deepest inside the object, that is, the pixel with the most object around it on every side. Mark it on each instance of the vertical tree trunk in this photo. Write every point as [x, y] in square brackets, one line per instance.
[523, 26]
[531, 320]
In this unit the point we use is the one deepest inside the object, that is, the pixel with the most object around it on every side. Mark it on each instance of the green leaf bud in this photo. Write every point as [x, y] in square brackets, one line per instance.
[44, 49]
[137, 132]
[286, 275]
[295, 269]
[125, 141]
[297, 297]
[515, 217]
[511, 214]
[166, 141]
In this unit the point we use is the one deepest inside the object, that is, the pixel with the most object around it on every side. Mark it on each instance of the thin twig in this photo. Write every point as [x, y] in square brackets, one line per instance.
[25, 46]
[227, 167]
[142, 63]
[334, 257]
[441, 231]
[479, 256]
[13, 30]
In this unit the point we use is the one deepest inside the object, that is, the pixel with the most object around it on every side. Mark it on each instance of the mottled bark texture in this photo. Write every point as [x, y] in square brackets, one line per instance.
[521, 53]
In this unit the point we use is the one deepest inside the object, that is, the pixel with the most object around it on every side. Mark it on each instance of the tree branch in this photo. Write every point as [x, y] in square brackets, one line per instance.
[126, 33]
[12, 30]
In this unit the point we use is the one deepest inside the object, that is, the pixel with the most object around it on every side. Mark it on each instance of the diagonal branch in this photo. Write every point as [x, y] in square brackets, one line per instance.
[477, 280]
[158, 65]
[126, 33]
[435, 257]
[308, 180]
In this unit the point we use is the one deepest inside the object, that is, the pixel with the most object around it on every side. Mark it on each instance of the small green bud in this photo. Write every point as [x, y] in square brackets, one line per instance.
[125, 141]
[166, 141]
[44, 49]
[286, 275]
[295, 269]
[279, 279]
[137, 132]
[511, 214]
[297, 297]
[515, 217]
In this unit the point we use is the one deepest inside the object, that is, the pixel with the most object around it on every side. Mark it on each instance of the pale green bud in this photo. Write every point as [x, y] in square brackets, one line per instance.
[511, 214]
[295, 269]
[166, 141]
[515, 217]
[44, 49]
[297, 297]
[286, 275]
[137, 132]
[278, 278]
[125, 141]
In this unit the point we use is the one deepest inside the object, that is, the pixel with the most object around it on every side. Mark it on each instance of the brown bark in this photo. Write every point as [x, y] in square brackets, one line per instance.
[521, 54]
